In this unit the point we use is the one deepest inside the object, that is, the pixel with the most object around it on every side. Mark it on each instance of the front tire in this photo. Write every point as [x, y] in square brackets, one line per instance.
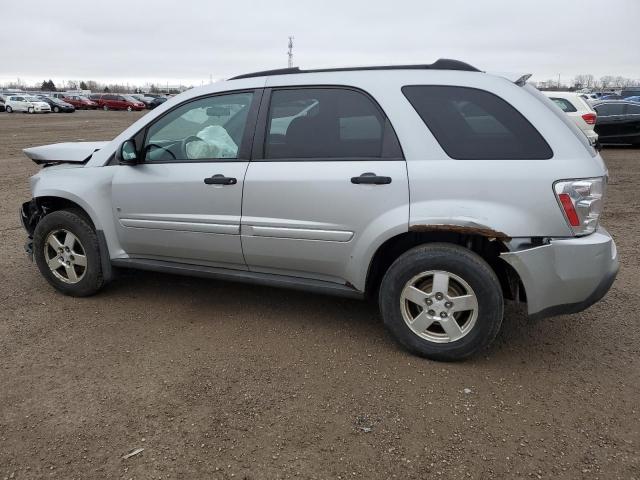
[67, 252]
[56, 109]
[9, 109]
[105, 108]
[442, 301]
[30, 110]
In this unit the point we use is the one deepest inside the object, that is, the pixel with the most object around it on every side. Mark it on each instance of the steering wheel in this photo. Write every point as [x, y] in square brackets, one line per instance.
[153, 145]
[188, 140]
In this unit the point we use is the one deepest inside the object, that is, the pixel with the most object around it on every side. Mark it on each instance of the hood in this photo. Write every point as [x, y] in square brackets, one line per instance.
[72, 152]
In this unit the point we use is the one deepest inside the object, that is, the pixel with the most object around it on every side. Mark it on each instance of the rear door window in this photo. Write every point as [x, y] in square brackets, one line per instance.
[473, 124]
[326, 123]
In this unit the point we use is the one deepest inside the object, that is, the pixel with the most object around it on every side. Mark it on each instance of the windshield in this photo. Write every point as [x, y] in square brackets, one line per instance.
[32, 99]
[130, 98]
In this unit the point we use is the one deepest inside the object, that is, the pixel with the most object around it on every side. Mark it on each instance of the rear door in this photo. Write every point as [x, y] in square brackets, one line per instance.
[327, 171]
[610, 123]
[183, 203]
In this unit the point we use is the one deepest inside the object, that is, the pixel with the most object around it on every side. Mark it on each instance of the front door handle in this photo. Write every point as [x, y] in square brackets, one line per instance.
[370, 178]
[220, 179]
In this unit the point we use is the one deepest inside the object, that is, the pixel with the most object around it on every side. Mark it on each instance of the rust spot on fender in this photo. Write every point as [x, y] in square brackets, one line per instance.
[464, 230]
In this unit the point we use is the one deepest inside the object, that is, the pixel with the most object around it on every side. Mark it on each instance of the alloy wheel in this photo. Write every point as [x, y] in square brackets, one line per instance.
[439, 306]
[65, 256]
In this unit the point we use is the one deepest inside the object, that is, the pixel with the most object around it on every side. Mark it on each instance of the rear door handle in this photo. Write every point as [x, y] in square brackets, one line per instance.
[220, 179]
[370, 178]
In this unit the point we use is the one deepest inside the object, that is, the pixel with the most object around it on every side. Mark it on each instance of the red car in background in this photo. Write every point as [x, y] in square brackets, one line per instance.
[80, 102]
[115, 101]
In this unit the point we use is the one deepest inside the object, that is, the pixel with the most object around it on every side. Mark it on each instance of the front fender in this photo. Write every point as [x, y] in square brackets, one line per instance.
[89, 188]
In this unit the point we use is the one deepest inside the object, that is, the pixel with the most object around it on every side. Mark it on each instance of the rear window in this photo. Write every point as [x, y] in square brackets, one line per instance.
[608, 109]
[473, 124]
[564, 104]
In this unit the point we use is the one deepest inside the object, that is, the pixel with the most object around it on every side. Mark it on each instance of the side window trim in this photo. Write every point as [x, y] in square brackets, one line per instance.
[244, 150]
[391, 148]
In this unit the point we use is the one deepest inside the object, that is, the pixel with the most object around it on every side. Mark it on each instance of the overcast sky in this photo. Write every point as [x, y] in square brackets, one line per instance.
[186, 41]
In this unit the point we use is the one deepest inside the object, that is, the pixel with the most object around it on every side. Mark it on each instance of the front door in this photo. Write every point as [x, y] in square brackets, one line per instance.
[327, 177]
[183, 202]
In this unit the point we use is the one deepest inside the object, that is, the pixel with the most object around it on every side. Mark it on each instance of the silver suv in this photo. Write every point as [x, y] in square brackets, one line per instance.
[439, 190]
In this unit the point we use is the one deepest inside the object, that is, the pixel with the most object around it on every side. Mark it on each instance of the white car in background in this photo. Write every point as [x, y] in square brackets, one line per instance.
[26, 103]
[576, 107]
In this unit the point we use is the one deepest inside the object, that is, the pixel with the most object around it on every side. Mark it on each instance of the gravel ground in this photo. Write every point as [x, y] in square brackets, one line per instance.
[221, 380]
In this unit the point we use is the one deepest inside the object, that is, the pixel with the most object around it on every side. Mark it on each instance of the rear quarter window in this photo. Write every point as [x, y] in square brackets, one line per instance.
[564, 104]
[473, 124]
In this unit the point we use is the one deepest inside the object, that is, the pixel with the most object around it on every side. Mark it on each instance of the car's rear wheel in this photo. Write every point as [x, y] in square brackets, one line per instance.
[30, 110]
[67, 252]
[442, 301]
[9, 109]
[105, 108]
[129, 108]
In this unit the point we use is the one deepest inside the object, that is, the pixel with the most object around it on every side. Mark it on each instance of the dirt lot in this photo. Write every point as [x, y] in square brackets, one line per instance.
[221, 380]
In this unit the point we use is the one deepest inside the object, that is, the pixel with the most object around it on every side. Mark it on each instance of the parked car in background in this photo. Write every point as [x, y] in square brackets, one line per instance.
[57, 105]
[611, 96]
[630, 92]
[438, 189]
[157, 101]
[582, 114]
[26, 103]
[2, 109]
[144, 99]
[635, 98]
[116, 101]
[80, 102]
[618, 122]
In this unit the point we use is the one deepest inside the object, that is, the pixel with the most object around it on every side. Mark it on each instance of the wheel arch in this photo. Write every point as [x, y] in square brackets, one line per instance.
[487, 243]
[41, 206]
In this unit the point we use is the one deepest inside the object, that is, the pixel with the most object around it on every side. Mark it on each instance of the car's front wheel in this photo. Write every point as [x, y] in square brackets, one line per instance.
[56, 109]
[442, 301]
[30, 110]
[9, 109]
[67, 252]
[105, 108]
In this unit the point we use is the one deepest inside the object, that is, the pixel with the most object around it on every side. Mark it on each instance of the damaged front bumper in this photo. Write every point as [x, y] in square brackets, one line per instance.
[566, 275]
[30, 214]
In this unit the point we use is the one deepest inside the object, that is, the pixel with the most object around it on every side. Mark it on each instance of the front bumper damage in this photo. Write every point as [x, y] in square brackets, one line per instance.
[566, 275]
[30, 214]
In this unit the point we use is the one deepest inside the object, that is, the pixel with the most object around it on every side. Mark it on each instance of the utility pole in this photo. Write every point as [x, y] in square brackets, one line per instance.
[558, 81]
[290, 52]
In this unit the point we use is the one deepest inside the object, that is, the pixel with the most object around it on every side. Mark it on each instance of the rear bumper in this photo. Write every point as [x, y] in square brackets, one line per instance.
[566, 275]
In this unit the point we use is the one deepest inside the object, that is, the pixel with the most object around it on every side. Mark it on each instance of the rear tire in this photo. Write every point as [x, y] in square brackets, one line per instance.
[30, 110]
[441, 301]
[9, 109]
[105, 108]
[67, 252]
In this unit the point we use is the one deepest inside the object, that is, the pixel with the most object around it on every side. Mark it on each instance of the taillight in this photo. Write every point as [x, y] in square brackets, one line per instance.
[590, 118]
[581, 201]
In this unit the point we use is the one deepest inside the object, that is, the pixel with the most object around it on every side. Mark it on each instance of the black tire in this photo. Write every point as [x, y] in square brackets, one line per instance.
[56, 109]
[75, 222]
[461, 262]
[9, 110]
[105, 108]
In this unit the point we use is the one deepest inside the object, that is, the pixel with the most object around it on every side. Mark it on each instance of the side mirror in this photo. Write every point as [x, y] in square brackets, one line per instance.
[128, 153]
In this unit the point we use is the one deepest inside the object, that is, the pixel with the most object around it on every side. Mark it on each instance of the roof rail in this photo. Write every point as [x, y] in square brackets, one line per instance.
[441, 64]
